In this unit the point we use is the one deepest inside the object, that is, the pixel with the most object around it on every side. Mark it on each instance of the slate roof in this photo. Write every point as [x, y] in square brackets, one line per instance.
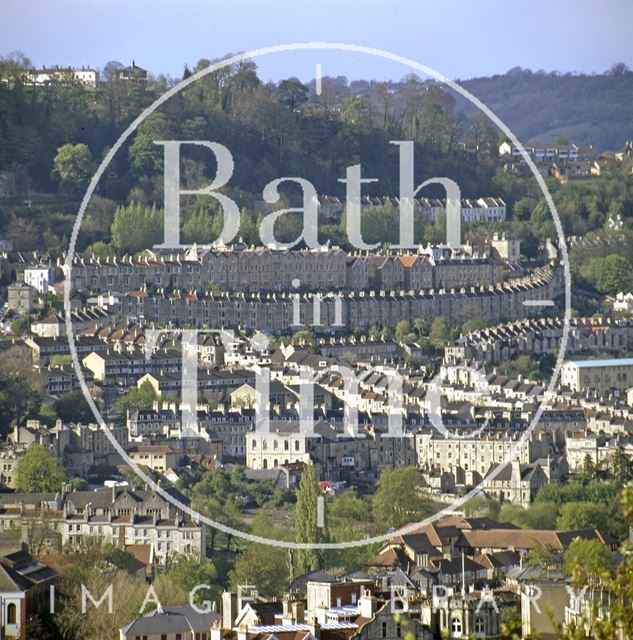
[174, 619]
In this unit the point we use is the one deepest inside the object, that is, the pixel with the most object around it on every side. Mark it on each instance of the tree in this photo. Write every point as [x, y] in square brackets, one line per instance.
[400, 498]
[20, 386]
[137, 227]
[582, 515]
[421, 327]
[24, 234]
[612, 274]
[263, 566]
[19, 326]
[589, 565]
[198, 228]
[137, 398]
[622, 466]
[587, 562]
[187, 571]
[588, 468]
[475, 324]
[544, 557]
[73, 407]
[536, 516]
[403, 331]
[307, 529]
[101, 250]
[440, 332]
[38, 471]
[73, 165]
[293, 93]
[145, 156]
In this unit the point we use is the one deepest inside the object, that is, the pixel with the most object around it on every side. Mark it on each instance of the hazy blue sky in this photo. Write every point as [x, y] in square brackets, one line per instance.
[460, 38]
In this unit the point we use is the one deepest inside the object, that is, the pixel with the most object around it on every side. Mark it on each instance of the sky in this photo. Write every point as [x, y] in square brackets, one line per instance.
[458, 38]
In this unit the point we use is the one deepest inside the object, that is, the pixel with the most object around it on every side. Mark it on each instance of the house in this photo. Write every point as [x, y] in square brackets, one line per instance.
[132, 73]
[120, 515]
[598, 376]
[279, 395]
[525, 540]
[177, 622]
[24, 592]
[623, 302]
[41, 278]
[63, 76]
[20, 298]
[517, 483]
[155, 457]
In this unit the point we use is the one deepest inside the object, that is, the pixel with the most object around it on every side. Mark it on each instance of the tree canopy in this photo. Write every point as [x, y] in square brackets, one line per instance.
[38, 471]
[400, 498]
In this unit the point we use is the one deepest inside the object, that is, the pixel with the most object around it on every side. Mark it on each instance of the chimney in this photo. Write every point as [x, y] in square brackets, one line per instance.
[367, 604]
[287, 616]
[299, 611]
[516, 473]
[315, 629]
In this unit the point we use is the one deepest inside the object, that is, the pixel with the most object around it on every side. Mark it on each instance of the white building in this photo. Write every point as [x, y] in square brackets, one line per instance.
[40, 278]
[63, 75]
[623, 302]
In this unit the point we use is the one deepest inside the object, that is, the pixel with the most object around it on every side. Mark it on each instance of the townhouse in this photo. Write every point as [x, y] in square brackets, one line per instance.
[259, 269]
[118, 515]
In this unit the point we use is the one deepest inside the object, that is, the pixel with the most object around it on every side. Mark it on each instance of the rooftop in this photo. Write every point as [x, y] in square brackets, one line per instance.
[607, 362]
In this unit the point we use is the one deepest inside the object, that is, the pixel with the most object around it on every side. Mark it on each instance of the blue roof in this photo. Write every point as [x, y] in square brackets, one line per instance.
[607, 362]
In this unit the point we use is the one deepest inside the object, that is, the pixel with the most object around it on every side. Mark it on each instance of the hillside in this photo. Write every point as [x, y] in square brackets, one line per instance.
[585, 109]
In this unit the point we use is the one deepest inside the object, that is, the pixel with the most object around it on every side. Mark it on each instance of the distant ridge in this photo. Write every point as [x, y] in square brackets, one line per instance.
[586, 109]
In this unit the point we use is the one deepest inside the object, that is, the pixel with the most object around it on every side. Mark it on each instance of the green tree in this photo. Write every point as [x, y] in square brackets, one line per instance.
[421, 327]
[136, 227]
[307, 529]
[73, 407]
[198, 228]
[60, 361]
[140, 398]
[588, 468]
[403, 331]
[293, 93]
[612, 274]
[587, 562]
[264, 566]
[440, 332]
[270, 568]
[101, 250]
[188, 571]
[73, 165]
[145, 156]
[539, 515]
[622, 466]
[544, 557]
[39, 471]
[475, 324]
[400, 498]
[19, 326]
[582, 515]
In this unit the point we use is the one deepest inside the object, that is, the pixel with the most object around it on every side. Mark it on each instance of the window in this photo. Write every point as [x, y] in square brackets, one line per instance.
[384, 629]
[456, 625]
[398, 631]
[11, 614]
[480, 626]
